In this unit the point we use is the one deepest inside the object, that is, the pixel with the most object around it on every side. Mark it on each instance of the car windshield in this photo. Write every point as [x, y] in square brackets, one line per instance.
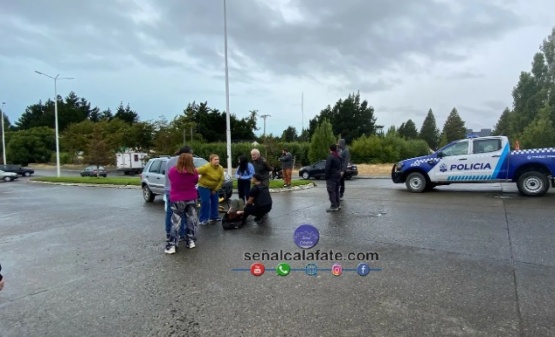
[199, 161]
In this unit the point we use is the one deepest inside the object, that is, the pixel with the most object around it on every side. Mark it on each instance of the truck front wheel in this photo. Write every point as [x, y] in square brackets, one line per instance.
[533, 184]
[416, 182]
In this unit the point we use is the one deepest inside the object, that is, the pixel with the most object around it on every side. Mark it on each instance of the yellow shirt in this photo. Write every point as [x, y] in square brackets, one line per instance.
[211, 177]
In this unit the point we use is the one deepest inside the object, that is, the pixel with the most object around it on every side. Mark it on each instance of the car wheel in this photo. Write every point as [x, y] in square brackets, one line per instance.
[533, 184]
[147, 194]
[306, 175]
[7, 178]
[416, 182]
[27, 174]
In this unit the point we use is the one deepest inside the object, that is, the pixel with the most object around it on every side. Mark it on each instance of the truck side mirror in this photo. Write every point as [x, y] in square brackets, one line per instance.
[440, 154]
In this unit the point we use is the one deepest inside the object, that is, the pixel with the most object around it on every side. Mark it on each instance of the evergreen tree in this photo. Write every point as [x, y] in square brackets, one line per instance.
[454, 128]
[320, 141]
[429, 131]
[503, 126]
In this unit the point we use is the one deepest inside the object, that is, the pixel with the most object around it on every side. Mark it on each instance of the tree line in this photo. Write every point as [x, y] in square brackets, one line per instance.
[96, 135]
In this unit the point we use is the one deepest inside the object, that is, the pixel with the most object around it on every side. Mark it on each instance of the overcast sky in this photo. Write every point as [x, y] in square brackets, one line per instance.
[404, 56]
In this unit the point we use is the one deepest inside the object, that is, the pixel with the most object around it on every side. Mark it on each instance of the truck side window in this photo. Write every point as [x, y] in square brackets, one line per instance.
[486, 145]
[458, 149]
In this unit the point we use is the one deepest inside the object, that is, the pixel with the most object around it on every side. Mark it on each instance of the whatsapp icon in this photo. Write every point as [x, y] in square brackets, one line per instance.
[283, 269]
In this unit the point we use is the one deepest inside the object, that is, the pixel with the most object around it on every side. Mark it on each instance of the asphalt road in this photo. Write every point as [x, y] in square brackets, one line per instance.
[458, 261]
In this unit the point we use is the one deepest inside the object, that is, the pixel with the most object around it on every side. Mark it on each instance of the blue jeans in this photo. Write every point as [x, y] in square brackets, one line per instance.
[209, 204]
[169, 213]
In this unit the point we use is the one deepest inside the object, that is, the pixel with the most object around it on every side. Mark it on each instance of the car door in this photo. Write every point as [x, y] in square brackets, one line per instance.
[319, 169]
[156, 180]
[453, 159]
[488, 161]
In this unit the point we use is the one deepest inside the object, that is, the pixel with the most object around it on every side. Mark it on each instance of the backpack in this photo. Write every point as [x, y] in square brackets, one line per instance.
[232, 221]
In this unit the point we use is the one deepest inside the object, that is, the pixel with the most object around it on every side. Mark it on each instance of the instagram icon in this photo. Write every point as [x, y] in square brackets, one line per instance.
[336, 269]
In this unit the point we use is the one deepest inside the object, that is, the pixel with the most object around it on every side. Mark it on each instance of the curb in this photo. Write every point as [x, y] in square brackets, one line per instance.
[272, 190]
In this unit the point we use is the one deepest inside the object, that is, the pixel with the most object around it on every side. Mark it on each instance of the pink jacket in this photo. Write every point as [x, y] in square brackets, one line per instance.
[183, 185]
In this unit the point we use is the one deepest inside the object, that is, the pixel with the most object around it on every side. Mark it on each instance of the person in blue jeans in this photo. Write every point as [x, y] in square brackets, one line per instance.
[167, 188]
[210, 182]
[244, 175]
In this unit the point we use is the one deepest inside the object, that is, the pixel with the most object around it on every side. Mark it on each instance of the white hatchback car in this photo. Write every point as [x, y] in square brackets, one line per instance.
[8, 176]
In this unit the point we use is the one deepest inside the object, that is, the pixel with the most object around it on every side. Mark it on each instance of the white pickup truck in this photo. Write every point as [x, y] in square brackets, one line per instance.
[479, 160]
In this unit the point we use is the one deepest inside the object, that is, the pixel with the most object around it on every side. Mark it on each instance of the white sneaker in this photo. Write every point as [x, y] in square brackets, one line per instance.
[170, 249]
[192, 244]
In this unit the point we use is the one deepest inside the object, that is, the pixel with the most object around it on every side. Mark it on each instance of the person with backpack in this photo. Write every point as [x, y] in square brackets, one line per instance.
[260, 202]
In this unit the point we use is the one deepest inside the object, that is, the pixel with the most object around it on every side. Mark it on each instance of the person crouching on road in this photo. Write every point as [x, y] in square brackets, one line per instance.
[333, 171]
[210, 182]
[260, 200]
[183, 195]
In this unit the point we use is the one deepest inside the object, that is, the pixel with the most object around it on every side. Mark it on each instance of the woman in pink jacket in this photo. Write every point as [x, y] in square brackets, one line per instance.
[183, 195]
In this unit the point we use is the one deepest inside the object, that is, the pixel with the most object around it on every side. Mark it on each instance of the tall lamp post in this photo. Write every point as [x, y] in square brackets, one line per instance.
[3, 137]
[265, 116]
[227, 121]
[56, 115]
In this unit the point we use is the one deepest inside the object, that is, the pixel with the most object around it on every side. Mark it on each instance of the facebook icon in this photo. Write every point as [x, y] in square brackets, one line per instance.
[363, 269]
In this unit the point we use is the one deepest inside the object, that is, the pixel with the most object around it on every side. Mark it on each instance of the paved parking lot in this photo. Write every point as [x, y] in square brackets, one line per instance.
[459, 261]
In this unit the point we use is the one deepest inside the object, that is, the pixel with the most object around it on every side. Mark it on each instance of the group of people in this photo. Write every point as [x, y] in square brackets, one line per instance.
[336, 166]
[181, 195]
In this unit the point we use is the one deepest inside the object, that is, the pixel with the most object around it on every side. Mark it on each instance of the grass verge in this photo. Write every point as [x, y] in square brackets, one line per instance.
[136, 181]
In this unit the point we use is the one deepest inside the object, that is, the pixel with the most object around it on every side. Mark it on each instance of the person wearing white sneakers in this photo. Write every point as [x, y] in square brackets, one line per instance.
[183, 195]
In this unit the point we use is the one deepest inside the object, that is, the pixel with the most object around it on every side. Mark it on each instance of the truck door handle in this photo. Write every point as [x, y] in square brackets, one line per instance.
[496, 156]
[462, 159]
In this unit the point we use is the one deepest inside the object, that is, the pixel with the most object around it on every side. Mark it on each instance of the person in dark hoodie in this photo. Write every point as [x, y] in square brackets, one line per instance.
[332, 173]
[346, 157]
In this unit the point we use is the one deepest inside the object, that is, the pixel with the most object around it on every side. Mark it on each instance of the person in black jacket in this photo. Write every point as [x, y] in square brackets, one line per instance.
[260, 201]
[333, 172]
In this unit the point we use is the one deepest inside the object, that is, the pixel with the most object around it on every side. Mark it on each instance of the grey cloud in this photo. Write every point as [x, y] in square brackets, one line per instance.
[354, 39]
[462, 75]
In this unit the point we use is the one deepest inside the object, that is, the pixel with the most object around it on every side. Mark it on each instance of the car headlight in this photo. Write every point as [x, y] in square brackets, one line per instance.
[399, 166]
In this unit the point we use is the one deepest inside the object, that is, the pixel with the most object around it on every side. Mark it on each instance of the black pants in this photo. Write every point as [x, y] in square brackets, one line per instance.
[257, 211]
[332, 185]
[244, 186]
[342, 186]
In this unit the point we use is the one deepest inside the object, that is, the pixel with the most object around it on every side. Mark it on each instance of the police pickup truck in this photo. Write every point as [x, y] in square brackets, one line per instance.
[479, 160]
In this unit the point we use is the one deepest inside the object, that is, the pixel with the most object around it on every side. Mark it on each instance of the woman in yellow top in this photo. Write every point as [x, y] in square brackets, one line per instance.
[210, 181]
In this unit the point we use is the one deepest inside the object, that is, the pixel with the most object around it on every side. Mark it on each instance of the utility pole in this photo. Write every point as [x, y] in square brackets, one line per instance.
[265, 116]
[227, 119]
[3, 137]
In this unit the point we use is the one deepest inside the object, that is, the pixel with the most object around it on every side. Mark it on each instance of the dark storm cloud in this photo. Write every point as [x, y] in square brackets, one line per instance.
[356, 40]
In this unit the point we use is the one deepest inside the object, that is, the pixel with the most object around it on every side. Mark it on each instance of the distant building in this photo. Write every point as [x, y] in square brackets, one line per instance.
[481, 133]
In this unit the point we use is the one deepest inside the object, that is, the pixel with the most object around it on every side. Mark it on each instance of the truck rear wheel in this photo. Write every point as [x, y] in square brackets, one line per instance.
[533, 184]
[416, 182]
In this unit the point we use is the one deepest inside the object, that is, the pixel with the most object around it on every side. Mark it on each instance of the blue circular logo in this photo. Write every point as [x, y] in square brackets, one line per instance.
[363, 269]
[311, 269]
[306, 236]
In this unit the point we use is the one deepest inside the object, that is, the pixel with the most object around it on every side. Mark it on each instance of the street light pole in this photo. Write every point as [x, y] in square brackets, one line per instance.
[227, 119]
[56, 116]
[3, 137]
[265, 116]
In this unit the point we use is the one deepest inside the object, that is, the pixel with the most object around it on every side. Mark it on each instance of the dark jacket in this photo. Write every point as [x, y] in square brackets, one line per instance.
[262, 167]
[333, 167]
[344, 153]
[286, 160]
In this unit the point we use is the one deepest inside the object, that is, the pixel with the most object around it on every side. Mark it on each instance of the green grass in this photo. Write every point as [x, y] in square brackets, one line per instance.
[92, 180]
[136, 181]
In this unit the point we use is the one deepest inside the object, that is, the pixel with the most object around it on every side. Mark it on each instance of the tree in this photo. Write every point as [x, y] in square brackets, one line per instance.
[408, 130]
[454, 127]
[289, 134]
[541, 132]
[34, 145]
[503, 126]
[429, 131]
[349, 118]
[126, 114]
[99, 151]
[322, 138]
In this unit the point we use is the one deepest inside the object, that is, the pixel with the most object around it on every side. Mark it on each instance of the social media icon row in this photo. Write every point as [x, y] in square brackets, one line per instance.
[311, 269]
